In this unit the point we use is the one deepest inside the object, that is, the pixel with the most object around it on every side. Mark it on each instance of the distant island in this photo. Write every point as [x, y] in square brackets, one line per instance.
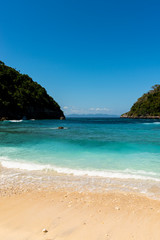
[147, 106]
[22, 98]
[98, 115]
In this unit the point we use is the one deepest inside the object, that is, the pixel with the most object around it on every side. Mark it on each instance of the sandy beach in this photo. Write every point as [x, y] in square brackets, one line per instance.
[72, 215]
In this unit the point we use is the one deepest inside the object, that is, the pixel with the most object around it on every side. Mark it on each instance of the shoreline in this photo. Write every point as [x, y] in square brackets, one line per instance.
[69, 212]
[25, 180]
[125, 115]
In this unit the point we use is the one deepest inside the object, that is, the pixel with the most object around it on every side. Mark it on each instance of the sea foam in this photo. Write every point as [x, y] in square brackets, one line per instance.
[156, 123]
[119, 174]
[15, 121]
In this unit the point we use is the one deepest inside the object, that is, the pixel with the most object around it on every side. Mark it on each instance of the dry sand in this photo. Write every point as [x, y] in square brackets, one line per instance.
[78, 216]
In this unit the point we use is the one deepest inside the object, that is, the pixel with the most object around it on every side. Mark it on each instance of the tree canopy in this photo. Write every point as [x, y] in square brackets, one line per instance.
[146, 106]
[21, 96]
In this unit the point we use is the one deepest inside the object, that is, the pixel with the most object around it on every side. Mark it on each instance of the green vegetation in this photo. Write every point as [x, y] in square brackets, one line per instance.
[21, 97]
[147, 106]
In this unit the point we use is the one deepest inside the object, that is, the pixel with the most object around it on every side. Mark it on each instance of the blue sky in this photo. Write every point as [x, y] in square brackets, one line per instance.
[94, 56]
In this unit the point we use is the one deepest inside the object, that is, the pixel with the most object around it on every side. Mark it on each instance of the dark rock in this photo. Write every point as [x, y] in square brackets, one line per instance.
[3, 118]
[62, 118]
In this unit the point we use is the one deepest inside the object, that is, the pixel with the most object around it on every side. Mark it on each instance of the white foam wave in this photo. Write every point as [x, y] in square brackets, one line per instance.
[15, 120]
[5, 162]
[105, 174]
[141, 172]
[125, 174]
[156, 123]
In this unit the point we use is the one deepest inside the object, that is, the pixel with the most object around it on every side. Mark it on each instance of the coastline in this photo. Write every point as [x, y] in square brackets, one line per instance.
[68, 212]
[23, 180]
[125, 115]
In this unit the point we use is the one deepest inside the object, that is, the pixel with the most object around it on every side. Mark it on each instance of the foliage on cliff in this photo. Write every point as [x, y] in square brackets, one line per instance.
[21, 96]
[146, 106]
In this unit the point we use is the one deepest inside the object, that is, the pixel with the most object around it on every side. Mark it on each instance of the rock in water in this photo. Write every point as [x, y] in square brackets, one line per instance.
[20, 96]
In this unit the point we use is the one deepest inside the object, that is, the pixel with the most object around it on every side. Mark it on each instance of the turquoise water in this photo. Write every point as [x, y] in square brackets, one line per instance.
[112, 147]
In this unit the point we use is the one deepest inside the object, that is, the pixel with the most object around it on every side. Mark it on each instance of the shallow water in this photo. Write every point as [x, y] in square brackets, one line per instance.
[124, 149]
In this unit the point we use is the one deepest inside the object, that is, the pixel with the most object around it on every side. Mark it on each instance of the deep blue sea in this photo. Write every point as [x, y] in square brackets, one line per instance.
[96, 147]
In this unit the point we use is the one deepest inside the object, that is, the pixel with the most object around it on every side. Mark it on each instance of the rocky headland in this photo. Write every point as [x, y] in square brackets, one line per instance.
[147, 106]
[22, 98]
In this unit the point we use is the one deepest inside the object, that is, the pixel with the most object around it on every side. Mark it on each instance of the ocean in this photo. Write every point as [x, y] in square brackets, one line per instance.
[102, 154]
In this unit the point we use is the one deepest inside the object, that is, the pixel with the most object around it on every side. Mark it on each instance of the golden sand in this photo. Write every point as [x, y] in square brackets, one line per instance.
[78, 216]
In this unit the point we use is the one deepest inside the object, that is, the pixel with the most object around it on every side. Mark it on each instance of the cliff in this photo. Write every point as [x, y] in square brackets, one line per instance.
[22, 98]
[147, 106]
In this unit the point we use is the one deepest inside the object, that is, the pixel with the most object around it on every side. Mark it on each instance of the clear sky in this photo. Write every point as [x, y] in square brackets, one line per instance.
[92, 56]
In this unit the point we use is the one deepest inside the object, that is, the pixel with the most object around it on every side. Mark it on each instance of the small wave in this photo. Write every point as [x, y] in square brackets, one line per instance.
[106, 174]
[141, 172]
[15, 120]
[156, 123]
[124, 174]
[23, 166]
